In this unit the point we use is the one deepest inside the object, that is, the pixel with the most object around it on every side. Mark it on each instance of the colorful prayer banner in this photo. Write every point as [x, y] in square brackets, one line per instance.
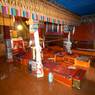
[0, 8]
[24, 13]
[28, 14]
[53, 20]
[62, 22]
[42, 18]
[13, 11]
[47, 19]
[4, 9]
[34, 16]
[58, 21]
[50, 20]
[18, 12]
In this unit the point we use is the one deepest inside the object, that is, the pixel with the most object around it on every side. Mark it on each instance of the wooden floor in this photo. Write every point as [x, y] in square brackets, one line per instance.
[17, 80]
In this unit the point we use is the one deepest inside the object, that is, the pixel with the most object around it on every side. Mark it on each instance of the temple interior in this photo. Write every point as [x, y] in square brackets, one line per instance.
[47, 47]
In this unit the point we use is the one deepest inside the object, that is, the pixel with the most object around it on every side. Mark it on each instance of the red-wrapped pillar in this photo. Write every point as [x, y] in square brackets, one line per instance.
[7, 38]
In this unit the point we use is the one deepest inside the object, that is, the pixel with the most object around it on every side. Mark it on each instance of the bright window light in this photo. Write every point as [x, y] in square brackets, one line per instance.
[19, 27]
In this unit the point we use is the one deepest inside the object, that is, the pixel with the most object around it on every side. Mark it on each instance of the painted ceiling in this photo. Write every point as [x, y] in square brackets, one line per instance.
[79, 7]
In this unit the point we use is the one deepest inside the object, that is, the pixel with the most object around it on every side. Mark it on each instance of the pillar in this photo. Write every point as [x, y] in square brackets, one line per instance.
[7, 38]
[38, 61]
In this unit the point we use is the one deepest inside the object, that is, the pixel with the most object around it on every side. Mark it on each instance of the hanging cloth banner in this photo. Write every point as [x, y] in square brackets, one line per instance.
[4, 10]
[42, 18]
[58, 21]
[34, 16]
[23, 13]
[47, 19]
[28, 14]
[38, 16]
[18, 12]
[62, 21]
[0, 8]
[50, 19]
[13, 11]
[53, 20]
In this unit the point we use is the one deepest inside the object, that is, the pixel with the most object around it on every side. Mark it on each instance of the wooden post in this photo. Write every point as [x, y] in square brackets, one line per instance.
[39, 67]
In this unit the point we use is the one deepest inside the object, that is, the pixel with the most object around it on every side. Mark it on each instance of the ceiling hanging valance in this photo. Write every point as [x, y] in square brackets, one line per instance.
[28, 8]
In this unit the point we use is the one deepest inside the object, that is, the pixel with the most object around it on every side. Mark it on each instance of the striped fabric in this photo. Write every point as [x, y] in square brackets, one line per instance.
[13, 11]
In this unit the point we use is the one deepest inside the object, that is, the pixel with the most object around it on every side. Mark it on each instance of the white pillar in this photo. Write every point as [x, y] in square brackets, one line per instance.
[9, 50]
[39, 66]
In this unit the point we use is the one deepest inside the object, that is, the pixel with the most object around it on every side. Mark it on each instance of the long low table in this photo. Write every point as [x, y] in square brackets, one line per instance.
[63, 74]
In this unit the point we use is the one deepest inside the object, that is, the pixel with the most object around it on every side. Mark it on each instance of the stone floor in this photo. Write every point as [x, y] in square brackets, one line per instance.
[16, 80]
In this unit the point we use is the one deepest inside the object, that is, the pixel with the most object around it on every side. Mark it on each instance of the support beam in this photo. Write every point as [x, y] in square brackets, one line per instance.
[38, 61]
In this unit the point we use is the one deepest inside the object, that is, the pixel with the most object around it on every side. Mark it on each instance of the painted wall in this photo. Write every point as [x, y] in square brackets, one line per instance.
[85, 32]
[84, 36]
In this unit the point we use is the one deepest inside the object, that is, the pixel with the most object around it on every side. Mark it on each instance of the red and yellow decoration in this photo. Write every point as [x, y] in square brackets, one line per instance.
[26, 8]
